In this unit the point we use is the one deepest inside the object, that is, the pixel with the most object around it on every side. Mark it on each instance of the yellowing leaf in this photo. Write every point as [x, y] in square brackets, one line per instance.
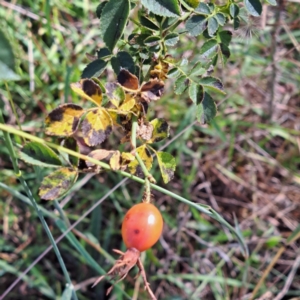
[128, 104]
[160, 130]
[127, 156]
[114, 161]
[114, 116]
[99, 154]
[63, 120]
[88, 89]
[57, 183]
[145, 155]
[115, 93]
[96, 126]
[167, 165]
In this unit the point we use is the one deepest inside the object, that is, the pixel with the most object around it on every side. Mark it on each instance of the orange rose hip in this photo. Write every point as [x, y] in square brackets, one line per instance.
[142, 226]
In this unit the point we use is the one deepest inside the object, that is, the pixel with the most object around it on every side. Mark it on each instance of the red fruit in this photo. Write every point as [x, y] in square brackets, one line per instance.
[142, 226]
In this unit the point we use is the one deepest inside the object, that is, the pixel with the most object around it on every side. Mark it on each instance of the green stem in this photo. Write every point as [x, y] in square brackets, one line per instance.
[200, 207]
[14, 160]
[134, 127]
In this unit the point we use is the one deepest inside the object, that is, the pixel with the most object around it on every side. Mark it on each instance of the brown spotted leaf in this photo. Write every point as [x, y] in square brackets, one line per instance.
[96, 126]
[63, 120]
[57, 183]
[152, 90]
[88, 89]
[161, 130]
[129, 81]
[167, 165]
[115, 93]
[99, 154]
[144, 153]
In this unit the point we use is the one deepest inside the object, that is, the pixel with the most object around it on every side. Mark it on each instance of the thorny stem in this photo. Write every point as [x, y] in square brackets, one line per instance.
[18, 172]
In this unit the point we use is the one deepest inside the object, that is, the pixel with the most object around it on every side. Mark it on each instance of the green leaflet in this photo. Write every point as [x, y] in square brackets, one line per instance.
[94, 69]
[165, 8]
[167, 165]
[209, 108]
[37, 154]
[254, 7]
[196, 25]
[113, 20]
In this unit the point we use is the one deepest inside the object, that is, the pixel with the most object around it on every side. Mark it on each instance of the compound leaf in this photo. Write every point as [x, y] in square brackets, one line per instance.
[113, 20]
[38, 154]
[57, 183]
[165, 8]
[167, 165]
[63, 120]
[96, 126]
